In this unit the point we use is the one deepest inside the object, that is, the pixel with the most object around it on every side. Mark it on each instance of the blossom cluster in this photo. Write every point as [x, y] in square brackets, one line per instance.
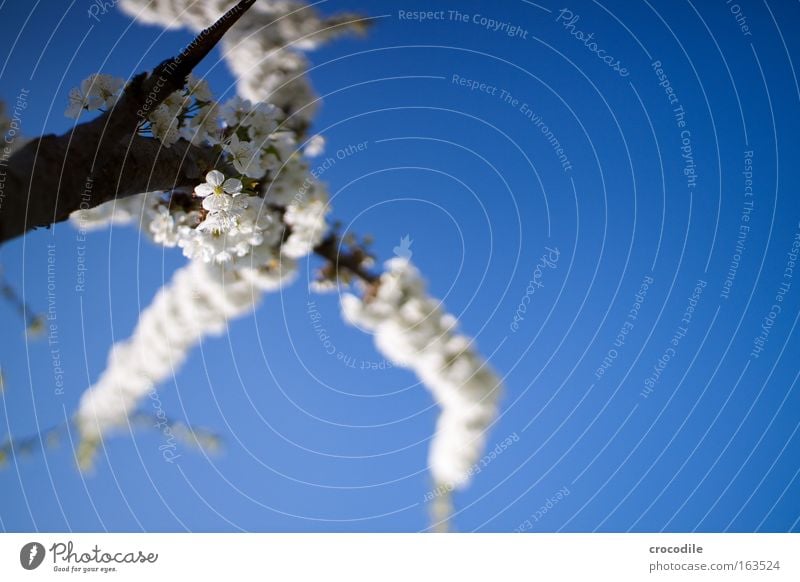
[412, 330]
[188, 113]
[221, 221]
[96, 92]
[198, 302]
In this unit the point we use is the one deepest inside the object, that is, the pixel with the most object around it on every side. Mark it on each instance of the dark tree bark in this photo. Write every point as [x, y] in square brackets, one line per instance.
[52, 177]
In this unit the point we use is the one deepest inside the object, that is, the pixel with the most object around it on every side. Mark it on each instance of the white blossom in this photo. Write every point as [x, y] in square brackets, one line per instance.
[262, 123]
[315, 146]
[162, 227]
[292, 181]
[203, 126]
[119, 211]
[96, 91]
[164, 124]
[245, 157]
[217, 185]
[234, 110]
[224, 201]
[198, 88]
[237, 225]
[308, 226]
[176, 102]
[168, 226]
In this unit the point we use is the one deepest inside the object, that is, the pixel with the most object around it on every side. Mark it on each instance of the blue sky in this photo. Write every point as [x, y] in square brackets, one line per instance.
[473, 177]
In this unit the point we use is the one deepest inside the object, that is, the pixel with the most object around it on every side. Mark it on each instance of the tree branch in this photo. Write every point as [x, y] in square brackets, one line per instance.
[170, 76]
[52, 176]
[331, 250]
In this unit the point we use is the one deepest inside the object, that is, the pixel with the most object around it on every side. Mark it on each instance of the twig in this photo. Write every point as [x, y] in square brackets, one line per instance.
[331, 249]
[170, 75]
[21, 306]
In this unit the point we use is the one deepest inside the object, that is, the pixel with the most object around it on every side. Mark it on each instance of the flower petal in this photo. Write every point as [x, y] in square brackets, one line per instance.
[232, 186]
[203, 190]
[217, 203]
[215, 178]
